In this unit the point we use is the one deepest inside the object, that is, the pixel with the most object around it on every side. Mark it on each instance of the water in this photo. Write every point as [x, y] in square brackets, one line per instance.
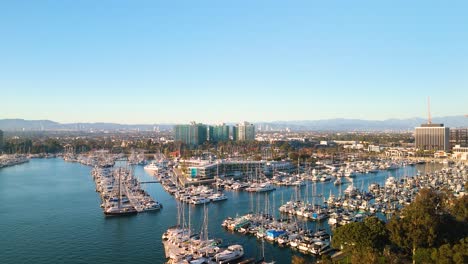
[49, 213]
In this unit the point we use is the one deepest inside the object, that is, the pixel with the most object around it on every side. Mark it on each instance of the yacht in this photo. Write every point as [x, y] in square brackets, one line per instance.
[334, 219]
[116, 210]
[152, 167]
[392, 166]
[338, 181]
[218, 197]
[390, 182]
[231, 253]
[321, 234]
[325, 178]
[320, 247]
[199, 200]
[374, 169]
[350, 190]
[265, 187]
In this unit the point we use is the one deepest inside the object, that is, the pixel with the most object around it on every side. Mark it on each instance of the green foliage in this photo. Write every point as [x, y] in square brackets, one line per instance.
[432, 229]
[23, 146]
[361, 236]
[459, 209]
[448, 254]
[420, 223]
[378, 232]
[424, 255]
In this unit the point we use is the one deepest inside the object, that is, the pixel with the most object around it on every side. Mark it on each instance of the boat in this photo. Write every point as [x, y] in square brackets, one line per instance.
[334, 219]
[199, 200]
[350, 190]
[116, 210]
[230, 254]
[217, 197]
[315, 178]
[265, 187]
[320, 247]
[374, 169]
[338, 181]
[325, 178]
[152, 167]
[390, 182]
[321, 234]
[392, 166]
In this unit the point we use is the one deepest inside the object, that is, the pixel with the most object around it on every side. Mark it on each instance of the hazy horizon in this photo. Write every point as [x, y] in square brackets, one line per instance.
[230, 121]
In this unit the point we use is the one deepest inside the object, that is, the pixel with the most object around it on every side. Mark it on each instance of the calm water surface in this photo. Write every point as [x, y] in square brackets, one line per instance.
[49, 213]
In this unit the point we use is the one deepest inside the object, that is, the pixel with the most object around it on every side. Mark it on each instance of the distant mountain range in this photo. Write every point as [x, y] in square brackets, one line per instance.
[338, 124]
[341, 124]
[48, 125]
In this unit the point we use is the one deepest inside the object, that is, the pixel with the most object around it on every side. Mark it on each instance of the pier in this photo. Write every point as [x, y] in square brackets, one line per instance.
[121, 193]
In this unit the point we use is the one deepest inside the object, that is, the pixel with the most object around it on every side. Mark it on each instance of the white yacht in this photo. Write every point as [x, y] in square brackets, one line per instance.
[390, 182]
[231, 253]
[265, 187]
[350, 190]
[319, 247]
[218, 197]
[152, 167]
[200, 200]
[325, 178]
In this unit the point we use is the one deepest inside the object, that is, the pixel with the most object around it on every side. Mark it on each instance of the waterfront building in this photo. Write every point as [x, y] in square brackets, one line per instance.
[432, 137]
[245, 131]
[458, 136]
[373, 148]
[192, 134]
[199, 170]
[460, 152]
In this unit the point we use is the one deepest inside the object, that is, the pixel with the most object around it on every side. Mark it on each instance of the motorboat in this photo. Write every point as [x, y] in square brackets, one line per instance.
[233, 252]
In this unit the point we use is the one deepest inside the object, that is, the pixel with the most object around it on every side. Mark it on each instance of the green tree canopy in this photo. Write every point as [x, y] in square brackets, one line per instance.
[361, 236]
[420, 224]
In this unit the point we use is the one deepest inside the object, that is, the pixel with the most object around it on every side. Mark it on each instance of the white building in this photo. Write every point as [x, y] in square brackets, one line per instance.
[245, 131]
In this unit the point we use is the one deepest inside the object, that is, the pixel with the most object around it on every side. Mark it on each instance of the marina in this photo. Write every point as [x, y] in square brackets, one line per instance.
[121, 192]
[11, 160]
[57, 177]
[224, 133]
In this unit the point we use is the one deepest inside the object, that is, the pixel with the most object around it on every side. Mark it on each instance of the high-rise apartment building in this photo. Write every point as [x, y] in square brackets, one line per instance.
[235, 133]
[245, 131]
[218, 133]
[192, 134]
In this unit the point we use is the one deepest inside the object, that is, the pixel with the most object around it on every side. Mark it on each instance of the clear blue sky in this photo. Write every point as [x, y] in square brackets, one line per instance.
[211, 61]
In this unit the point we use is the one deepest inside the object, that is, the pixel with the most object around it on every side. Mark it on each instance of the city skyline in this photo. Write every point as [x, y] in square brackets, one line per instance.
[214, 62]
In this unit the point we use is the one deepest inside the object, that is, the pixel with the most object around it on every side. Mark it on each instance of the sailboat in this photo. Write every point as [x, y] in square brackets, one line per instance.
[118, 209]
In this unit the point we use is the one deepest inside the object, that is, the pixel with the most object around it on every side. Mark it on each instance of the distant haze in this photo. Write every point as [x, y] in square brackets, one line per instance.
[313, 125]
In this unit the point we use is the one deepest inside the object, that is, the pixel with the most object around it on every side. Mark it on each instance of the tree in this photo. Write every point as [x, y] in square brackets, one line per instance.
[378, 232]
[459, 209]
[420, 224]
[360, 238]
[424, 255]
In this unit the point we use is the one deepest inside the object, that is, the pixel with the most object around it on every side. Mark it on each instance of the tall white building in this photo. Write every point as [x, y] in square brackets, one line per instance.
[245, 131]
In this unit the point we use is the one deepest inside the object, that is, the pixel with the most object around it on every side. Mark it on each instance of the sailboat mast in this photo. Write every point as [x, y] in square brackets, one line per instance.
[120, 188]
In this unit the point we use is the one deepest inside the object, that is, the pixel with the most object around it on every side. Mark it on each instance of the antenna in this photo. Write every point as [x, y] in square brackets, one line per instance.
[429, 119]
